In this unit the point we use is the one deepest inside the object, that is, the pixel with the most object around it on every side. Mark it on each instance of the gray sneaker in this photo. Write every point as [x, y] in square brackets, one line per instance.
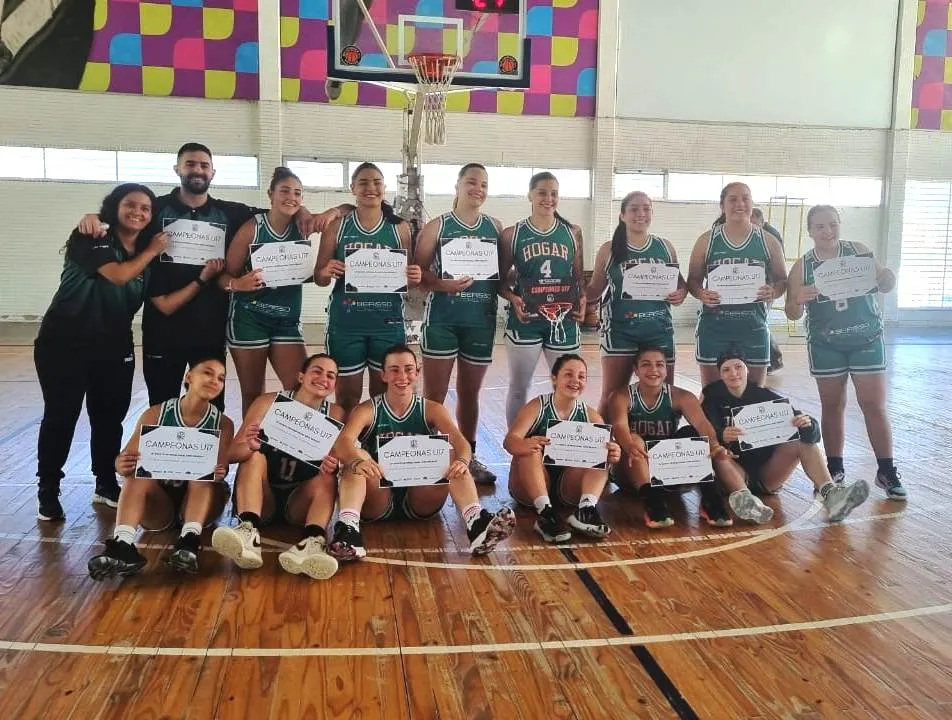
[841, 499]
[482, 475]
[748, 506]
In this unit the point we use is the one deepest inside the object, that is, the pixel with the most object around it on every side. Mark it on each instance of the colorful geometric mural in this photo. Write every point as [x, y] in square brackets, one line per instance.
[932, 83]
[186, 48]
[564, 35]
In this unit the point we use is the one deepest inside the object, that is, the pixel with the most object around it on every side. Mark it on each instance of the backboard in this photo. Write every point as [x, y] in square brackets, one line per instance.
[494, 47]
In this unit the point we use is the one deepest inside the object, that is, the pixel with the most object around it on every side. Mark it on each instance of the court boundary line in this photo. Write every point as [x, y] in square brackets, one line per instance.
[754, 537]
[424, 650]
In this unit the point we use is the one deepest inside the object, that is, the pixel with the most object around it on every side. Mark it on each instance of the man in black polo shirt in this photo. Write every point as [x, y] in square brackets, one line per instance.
[184, 317]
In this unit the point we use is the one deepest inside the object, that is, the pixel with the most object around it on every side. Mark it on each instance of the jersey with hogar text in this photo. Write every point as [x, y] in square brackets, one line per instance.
[658, 422]
[364, 313]
[476, 305]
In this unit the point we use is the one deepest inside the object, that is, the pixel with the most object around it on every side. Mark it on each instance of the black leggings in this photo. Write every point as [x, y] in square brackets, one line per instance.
[68, 372]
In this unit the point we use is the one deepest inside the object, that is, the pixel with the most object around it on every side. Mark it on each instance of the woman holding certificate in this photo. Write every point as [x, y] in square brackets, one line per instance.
[366, 256]
[459, 253]
[637, 275]
[769, 437]
[540, 456]
[287, 473]
[736, 271]
[836, 283]
[84, 346]
[402, 456]
[547, 301]
[265, 323]
[648, 413]
[174, 466]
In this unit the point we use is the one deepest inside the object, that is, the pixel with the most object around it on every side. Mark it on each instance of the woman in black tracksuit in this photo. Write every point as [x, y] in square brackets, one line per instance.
[84, 346]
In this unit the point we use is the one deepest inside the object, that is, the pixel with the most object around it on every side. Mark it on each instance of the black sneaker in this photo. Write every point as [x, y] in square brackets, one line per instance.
[656, 510]
[489, 530]
[107, 493]
[589, 522]
[48, 506]
[482, 475]
[348, 543]
[889, 480]
[550, 526]
[184, 556]
[120, 558]
[713, 510]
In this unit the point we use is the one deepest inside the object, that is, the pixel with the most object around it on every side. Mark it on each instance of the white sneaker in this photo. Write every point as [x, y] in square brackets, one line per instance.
[748, 506]
[309, 557]
[842, 499]
[242, 544]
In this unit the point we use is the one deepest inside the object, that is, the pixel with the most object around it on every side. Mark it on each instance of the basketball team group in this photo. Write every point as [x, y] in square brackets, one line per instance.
[121, 259]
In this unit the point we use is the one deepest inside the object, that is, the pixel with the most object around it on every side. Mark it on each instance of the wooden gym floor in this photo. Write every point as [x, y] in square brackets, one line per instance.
[795, 620]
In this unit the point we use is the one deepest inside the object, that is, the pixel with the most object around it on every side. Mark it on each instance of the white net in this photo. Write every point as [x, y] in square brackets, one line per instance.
[434, 73]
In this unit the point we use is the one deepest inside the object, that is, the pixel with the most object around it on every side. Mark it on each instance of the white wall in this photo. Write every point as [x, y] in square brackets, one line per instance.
[811, 62]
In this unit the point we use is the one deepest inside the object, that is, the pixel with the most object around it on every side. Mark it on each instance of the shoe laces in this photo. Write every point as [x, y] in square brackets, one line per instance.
[893, 476]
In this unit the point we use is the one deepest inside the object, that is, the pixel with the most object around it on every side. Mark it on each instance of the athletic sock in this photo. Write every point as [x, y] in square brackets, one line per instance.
[314, 531]
[588, 500]
[472, 446]
[885, 464]
[193, 528]
[834, 464]
[470, 513]
[125, 533]
[350, 517]
[541, 503]
[250, 517]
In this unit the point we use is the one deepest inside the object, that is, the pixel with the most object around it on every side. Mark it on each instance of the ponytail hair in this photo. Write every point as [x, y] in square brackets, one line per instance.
[721, 219]
[465, 169]
[281, 174]
[389, 214]
[541, 177]
[620, 236]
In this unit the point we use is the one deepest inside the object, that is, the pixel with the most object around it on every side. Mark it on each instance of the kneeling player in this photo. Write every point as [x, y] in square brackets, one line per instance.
[272, 486]
[532, 483]
[158, 504]
[651, 409]
[401, 411]
[768, 468]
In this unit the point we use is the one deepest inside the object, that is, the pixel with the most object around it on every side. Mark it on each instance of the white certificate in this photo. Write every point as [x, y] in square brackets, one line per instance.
[375, 270]
[177, 453]
[680, 461]
[737, 283]
[649, 281]
[193, 242]
[764, 424]
[298, 430]
[845, 277]
[577, 444]
[472, 257]
[409, 460]
[283, 263]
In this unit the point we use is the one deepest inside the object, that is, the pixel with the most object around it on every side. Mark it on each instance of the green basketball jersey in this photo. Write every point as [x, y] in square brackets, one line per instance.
[658, 422]
[549, 415]
[364, 312]
[622, 311]
[170, 415]
[538, 254]
[476, 305]
[279, 302]
[722, 252]
[387, 424]
[854, 321]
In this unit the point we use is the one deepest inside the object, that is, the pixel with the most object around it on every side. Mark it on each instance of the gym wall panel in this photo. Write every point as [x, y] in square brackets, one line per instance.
[811, 62]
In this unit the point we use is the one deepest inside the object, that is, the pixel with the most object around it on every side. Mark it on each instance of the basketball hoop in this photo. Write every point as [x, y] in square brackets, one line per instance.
[434, 74]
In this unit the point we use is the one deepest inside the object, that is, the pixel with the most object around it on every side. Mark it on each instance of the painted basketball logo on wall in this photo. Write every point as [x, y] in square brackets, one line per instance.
[563, 33]
[932, 82]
